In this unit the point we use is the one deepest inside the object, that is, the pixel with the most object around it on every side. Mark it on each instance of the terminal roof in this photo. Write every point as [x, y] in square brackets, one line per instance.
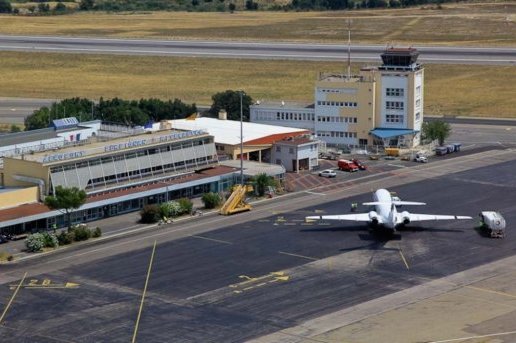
[228, 131]
[388, 133]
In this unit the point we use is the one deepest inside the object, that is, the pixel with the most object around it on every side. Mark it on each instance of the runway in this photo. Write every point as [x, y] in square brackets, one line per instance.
[267, 270]
[252, 50]
[14, 110]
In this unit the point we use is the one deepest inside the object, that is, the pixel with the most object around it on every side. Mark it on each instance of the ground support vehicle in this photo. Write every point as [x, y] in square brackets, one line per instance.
[347, 165]
[493, 223]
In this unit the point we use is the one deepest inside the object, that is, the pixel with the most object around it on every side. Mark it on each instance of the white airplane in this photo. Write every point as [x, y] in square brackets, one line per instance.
[386, 214]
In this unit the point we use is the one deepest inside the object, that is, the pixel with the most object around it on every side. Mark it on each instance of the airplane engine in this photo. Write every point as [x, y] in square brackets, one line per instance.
[406, 217]
[373, 216]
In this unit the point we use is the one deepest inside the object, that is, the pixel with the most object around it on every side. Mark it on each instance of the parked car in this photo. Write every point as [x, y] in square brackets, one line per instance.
[421, 159]
[328, 173]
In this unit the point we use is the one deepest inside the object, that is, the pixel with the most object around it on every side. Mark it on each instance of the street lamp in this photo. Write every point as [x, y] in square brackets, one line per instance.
[241, 92]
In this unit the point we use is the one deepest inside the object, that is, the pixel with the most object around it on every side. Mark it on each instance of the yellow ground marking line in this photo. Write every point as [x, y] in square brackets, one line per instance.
[491, 291]
[211, 239]
[296, 255]
[403, 258]
[12, 297]
[475, 337]
[143, 294]
[251, 280]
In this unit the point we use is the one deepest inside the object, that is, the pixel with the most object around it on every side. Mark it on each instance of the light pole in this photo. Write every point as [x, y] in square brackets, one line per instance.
[241, 140]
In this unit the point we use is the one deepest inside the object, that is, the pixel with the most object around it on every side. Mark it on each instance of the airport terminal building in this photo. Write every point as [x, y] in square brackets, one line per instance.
[122, 168]
[381, 106]
[119, 175]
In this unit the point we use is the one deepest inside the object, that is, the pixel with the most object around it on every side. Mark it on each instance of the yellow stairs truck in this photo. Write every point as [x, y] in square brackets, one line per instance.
[236, 201]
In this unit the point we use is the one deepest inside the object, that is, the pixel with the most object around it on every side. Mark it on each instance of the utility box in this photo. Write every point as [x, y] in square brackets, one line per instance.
[493, 223]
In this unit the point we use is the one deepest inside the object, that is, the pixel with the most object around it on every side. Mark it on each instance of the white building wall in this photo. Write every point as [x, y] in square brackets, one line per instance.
[284, 154]
[394, 82]
[302, 118]
[418, 101]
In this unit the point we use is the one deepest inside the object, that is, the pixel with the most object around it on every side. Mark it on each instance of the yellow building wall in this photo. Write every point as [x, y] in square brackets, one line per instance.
[234, 150]
[364, 97]
[14, 166]
[18, 197]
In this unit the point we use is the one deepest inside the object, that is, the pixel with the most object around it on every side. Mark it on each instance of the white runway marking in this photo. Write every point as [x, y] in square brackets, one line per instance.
[474, 337]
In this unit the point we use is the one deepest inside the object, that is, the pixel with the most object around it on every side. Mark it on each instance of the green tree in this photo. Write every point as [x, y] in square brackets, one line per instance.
[438, 129]
[60, 8]
[66, 200]
[86, 5]
[5, 6]
[43, 7]
[230, 101]
[263, 181]
[39, 119]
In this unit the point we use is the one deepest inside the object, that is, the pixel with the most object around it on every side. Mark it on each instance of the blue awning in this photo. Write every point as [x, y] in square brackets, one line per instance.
[388, 133]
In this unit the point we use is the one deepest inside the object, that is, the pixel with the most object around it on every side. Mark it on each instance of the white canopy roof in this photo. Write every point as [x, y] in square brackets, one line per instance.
[228, 131]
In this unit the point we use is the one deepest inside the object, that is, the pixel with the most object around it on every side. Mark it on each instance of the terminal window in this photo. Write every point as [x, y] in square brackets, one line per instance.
[394, 118]
[394, 91]
[394, 105]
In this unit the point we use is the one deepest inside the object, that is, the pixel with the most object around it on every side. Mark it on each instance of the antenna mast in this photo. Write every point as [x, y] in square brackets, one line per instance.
[349, 49]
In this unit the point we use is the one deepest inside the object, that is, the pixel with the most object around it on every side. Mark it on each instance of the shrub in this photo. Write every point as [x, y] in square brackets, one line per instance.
[97, 232]
[50, 240]
[186, 205]
[150, 214]
[65, 238]
[4, 256]
[166, 209]
[211, 200]
[82, 233]
[35, 242]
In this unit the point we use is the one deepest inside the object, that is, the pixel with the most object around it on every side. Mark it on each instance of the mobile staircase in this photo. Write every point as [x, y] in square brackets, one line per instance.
[236, 201]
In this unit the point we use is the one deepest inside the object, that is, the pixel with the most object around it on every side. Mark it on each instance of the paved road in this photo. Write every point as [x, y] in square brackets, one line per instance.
[264, 271]
[260, 50]
[14, 110]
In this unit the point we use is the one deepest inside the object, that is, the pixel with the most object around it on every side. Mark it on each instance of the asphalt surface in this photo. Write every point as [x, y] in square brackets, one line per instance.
[258, 50]
[14, 110]
[218, 286]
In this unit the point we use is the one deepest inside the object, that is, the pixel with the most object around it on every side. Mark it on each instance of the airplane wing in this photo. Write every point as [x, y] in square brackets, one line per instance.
[414, 217]
[395, 202]
[358, 217]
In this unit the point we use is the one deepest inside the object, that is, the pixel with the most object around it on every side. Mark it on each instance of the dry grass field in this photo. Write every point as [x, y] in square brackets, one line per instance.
[456, 23]
[449, 89]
